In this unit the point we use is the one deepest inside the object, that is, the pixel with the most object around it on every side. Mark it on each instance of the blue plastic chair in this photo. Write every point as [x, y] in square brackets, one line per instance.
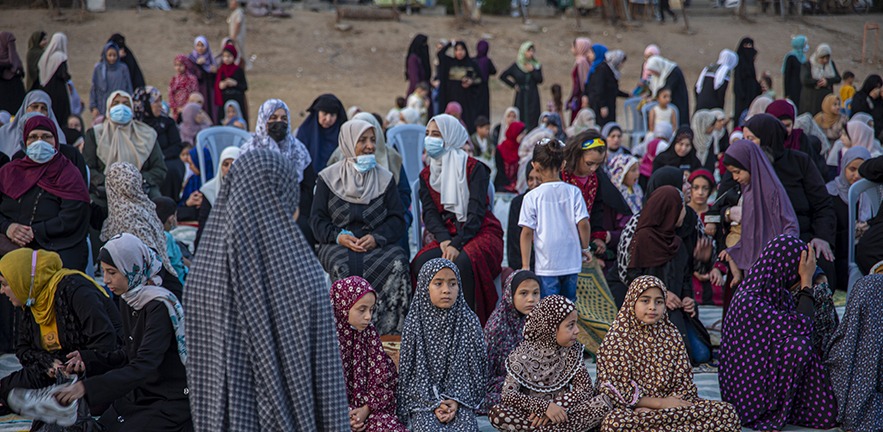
[216, 139]
[417, 210]
[871, 191]
[634, 123]
[408, 141]
[846, 109]
[645, 112]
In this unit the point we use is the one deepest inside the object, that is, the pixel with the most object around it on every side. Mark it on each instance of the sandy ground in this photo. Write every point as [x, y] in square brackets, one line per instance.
[302, 57]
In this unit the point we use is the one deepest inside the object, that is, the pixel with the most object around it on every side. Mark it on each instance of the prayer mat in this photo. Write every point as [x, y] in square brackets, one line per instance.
[594, 305]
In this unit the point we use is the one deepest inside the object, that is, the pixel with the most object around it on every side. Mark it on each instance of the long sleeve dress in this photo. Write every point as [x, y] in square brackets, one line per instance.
[385, 268]
[811, 97]
[527, 95]
[57, 90]
[680, 96]
[603, 91]
[791, 79]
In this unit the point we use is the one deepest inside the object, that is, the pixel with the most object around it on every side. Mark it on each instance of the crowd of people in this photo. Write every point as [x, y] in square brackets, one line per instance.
[613, 238]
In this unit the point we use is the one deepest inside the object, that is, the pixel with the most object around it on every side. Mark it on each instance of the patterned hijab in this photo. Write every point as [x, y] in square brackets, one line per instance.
[443, 350]
[855, 357]
[539, 363]
[291, 147]
[366, 367]
[504, 330]
[131, 142]
[638, 360]
[237, 318]
[344, 179]
[447, 173]
[129, 210]
[141, 267]
[619, 167]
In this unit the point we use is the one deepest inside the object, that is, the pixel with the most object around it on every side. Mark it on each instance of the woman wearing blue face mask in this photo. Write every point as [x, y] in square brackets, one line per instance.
[44, 203]
[357, 218]
[120, 138]
[457, 212]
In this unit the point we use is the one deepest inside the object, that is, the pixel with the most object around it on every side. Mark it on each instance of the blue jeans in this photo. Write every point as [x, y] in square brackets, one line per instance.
[562, 285]
[700, 351]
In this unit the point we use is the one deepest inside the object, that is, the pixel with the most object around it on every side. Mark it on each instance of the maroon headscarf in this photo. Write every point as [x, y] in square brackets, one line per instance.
[783, 109]
[657, 229]
[59, 176]
[225, 71]
[367, 370]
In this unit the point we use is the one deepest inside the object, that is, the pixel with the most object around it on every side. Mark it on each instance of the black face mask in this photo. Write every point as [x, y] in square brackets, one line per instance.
[277, 130]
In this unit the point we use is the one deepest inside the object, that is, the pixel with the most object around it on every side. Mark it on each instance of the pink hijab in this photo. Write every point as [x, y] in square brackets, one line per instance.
[582, 46]
[650, 51]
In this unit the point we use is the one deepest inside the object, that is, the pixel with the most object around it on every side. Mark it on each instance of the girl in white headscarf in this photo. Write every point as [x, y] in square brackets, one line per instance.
[457, 212]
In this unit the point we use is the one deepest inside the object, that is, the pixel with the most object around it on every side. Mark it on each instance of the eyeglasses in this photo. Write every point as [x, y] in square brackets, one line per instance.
[595, 143]
[45, 137]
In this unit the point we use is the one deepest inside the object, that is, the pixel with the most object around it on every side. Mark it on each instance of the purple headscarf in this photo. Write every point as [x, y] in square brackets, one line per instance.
[484, 63]
[766, 208]
[769, 370]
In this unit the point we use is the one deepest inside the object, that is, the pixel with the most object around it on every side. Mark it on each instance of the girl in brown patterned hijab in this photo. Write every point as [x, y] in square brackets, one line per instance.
[644, 369]
[547, 382]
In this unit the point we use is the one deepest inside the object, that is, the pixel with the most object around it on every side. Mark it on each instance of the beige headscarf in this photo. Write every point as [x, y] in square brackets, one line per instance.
[447, 174]
[344, 179]
[702, 140]
[131, 142]
[53, 56]
[758, 106]
[386, 157]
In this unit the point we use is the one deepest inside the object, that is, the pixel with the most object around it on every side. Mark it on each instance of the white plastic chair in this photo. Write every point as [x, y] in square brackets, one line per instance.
[634, 123]
[871, 191]
[645, 112]
[216, 139]
[408, 141]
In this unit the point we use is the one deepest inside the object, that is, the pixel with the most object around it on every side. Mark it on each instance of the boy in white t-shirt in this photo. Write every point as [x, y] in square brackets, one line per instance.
[555, 220]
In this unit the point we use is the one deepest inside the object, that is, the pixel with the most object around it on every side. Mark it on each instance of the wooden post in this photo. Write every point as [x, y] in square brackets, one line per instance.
[869, 27]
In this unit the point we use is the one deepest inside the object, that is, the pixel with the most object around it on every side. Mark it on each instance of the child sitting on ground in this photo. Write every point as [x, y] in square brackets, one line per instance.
[547, 384]
[555, 220]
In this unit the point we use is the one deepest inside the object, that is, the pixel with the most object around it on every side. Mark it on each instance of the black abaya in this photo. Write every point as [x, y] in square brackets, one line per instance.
[745, 85]
[527, 94]
[57, 90]
[451, 73]
[603, 89]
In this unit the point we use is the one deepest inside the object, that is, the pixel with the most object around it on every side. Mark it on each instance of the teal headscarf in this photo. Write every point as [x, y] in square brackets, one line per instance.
[798, 50]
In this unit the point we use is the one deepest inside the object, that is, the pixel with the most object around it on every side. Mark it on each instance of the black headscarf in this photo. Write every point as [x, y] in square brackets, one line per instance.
[746, 56]
[671, 176]
[134, 70]
[772, 134]
[669, 157]
[420, 48]
[321, 142]
[870, 83]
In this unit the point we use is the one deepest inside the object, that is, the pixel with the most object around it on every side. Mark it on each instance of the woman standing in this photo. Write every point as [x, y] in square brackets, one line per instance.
[418, 68]
[128, 58]
[665, 73]
[818, 76]
[457, 212]
[357, 217]
[486, 69]
[54, 75]
[745, 84]
[148, 109]
[109, 75]
[460, 77]
[524, 76]
[711, 87]
[581, 50]
[11, 74]
[603, 88]
[868, 100]
[791, 67]
[36, 44]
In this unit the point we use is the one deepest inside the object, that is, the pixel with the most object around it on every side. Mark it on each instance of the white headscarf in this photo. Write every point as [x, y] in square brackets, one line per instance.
[819, 70]
[53, 56]
[131, 142]
[702, 141]
[447, 173]
[386, 157]
[210, 188]
[344, 179]
[726, 62]
[662, 66]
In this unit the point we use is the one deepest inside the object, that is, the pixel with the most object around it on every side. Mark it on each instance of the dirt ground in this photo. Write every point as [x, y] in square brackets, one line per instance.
[304, 56]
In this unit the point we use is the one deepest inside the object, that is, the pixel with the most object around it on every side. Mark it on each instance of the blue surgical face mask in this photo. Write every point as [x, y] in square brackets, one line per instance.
[41, 151]
[120, 114]
[365, 163]
[435, 147]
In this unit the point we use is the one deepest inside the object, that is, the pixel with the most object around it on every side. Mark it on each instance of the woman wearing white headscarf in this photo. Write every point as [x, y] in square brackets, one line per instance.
[819, 76]
[665, 73]
[211, 188]
[121, 138]
[456, 211]
[54, 75]
[357, 219]
[711, 87]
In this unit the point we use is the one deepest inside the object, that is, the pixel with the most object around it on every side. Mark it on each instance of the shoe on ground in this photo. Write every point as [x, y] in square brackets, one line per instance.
[40, 404]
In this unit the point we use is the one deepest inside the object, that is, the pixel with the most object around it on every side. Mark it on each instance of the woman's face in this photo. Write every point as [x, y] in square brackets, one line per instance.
[200, 48]
[225, 165]
[591, 161]
[114, 279]
[120, 99]
[743, 177]
[700, 189]
[278, 116]
[852, 174]
[591, 56]
[836, 105]
[824, 59]
[875, 93]
[227, 58]
[720, 124]
[326, 120]
[179, 68]
[567, 331]
[39, 134]
[112, 55]
[750, 136]
[7, 291]
[44, 41]
[511, 117]
[459, 52]
[432, 130]
[526, 297]
[631, 177]
[74, 123]
[789, 125]
[366, 143]
[844, 138]
[534, 180]
[362, 311]
[39, 107]
[614, 139]
[156, 107]
[529, 53]
[682, 147]
[444, 288]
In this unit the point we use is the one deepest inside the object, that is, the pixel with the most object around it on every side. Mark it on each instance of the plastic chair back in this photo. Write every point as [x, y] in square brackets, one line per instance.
[871, 191]
[216, 139]
[417, 210]
[408, 141]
